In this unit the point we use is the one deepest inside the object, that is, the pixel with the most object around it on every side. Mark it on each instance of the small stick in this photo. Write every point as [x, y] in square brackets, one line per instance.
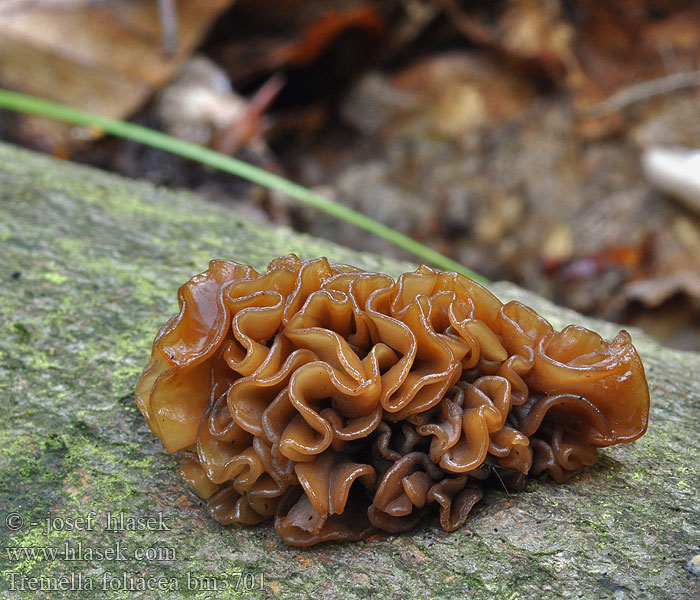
[167, 12]
[644, 91]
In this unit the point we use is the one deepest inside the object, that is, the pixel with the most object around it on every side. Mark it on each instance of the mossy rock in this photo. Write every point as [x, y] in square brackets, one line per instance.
[90, 267]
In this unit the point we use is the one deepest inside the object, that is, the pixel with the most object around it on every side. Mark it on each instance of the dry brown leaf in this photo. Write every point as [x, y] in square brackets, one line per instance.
[594, 49]
[104, 57]
[529, 34]
[657, 290]
[269, 35]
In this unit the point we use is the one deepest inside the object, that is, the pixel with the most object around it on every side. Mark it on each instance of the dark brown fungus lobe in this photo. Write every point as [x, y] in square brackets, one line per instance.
[340, 402]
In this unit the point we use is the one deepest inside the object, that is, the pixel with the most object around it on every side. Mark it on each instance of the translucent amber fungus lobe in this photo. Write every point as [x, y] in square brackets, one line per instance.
[340, 402]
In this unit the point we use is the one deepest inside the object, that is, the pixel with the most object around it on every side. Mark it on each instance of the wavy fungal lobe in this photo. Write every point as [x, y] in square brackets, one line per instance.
[341, 402]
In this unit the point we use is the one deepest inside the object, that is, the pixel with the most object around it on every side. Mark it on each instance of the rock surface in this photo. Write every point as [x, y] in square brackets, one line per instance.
[92, 506]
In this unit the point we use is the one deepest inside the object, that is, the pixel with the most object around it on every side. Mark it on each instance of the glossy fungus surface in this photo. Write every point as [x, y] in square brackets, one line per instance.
[339, 402]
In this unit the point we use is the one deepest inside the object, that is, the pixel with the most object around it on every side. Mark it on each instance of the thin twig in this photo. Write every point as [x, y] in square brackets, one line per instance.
[644, 91]
[468, 27]
[167, 12]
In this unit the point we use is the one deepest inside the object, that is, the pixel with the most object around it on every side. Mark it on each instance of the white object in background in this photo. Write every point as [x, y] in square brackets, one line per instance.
[676, 171]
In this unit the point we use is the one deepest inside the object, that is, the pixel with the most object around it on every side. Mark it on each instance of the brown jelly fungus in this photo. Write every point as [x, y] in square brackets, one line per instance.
[341, 403]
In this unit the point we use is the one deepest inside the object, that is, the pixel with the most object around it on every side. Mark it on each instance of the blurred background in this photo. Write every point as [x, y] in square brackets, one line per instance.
[540, 141]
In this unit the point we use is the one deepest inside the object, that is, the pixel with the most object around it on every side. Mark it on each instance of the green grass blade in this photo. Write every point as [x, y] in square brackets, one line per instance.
[60, 112]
